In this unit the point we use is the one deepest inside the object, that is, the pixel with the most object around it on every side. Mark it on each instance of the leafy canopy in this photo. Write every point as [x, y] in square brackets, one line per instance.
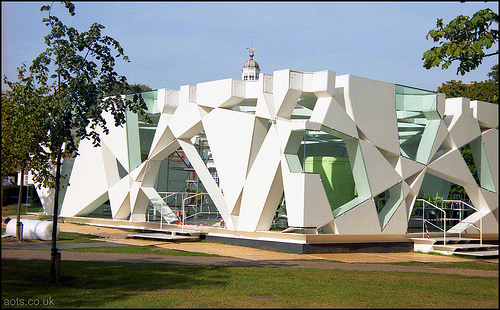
[76, 72]
[487, 90]
[464, 39]
[23, 113]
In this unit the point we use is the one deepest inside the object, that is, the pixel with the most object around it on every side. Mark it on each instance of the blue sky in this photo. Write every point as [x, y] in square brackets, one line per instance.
[179, 43]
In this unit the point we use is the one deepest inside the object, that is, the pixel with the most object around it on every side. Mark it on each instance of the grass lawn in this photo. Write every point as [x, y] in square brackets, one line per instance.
[139, 285]
[478, 264]
[125, 285]
[62, 236]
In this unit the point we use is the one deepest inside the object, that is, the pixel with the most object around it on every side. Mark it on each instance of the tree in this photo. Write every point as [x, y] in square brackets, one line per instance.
[127, 89]
[463, 39]
[76, 70]
[22, 113]
[487, 90]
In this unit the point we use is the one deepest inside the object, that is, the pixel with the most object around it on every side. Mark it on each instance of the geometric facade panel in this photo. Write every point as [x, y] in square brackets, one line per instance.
[342, 152]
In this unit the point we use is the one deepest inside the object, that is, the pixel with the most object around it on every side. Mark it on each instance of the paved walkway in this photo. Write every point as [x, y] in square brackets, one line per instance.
[230, 255]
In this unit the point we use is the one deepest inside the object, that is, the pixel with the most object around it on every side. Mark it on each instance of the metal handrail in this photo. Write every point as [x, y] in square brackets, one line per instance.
[424, 221]
[443, 210]
[185, 197]
[472, 224]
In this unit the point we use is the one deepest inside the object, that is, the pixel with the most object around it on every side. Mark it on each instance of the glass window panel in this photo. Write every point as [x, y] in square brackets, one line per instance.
[139, 133]
[418, 122]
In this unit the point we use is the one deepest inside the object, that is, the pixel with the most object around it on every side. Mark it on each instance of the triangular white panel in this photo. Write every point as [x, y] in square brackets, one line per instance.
[452, 167]
[406, 189]
[486, 113]
[150, 172]
[186, 117]
[464, 130]
[490, 142]
[406, 167]
[397, 225]
[329, 113]
[265, 103]
[409, 199]
[229, 134]
[283, 128]
[348, 223]
[260, 129]
[488, 200]
[119, 198]
[110, 166]
[88, 166]
[161, 154]
[440, 137]
[138, 172]
[271, 203]
[381, 174]
[415, 181]
[258, 185]
[160, 131]
[374, 111]
[139, 202]
[116, 141]
[161, 140]
[136, 197]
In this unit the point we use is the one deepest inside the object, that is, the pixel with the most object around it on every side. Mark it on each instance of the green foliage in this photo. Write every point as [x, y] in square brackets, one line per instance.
[463, 39]
[23, 113]
[487, 90]
[68, 82]
[120, 89]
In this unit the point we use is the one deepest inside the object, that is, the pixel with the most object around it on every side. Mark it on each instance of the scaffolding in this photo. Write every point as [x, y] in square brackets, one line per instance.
[191, 205]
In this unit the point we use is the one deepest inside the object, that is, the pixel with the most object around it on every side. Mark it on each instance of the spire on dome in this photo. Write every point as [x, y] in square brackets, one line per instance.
[251, 53]
[251, 70]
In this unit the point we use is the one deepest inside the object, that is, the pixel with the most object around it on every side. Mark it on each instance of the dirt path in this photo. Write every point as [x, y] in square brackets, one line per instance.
[233, 255]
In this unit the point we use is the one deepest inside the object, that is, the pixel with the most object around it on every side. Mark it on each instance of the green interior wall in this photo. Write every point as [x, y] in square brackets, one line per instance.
[336, 176]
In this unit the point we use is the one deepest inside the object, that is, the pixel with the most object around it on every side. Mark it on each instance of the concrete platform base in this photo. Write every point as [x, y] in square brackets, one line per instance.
[317, 248]
[296, 243]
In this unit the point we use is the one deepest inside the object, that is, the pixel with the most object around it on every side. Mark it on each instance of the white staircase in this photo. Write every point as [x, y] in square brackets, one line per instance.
[451, 242]
[160, 206]
[455, 246]
[469, 221]
[170, 235]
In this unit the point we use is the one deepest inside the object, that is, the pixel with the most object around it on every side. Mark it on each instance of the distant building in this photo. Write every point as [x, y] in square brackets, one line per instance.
[251, 69]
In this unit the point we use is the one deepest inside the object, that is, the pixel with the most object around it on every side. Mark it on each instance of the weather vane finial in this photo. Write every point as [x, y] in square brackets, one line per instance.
[251, 49]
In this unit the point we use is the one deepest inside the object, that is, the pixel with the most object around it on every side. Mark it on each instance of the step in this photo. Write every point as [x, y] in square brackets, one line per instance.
[482, 254]
[463, 247]
[169, 237]
[454, 240]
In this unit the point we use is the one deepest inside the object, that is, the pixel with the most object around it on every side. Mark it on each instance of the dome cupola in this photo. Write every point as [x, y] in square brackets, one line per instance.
[251, 69]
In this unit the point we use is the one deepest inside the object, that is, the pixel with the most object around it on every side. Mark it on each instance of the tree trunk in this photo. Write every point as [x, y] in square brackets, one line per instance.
[1, 202]
[55, 257]
[19, 225]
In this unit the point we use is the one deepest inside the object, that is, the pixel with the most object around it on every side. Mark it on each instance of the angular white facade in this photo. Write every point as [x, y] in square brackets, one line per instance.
[331, 147]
